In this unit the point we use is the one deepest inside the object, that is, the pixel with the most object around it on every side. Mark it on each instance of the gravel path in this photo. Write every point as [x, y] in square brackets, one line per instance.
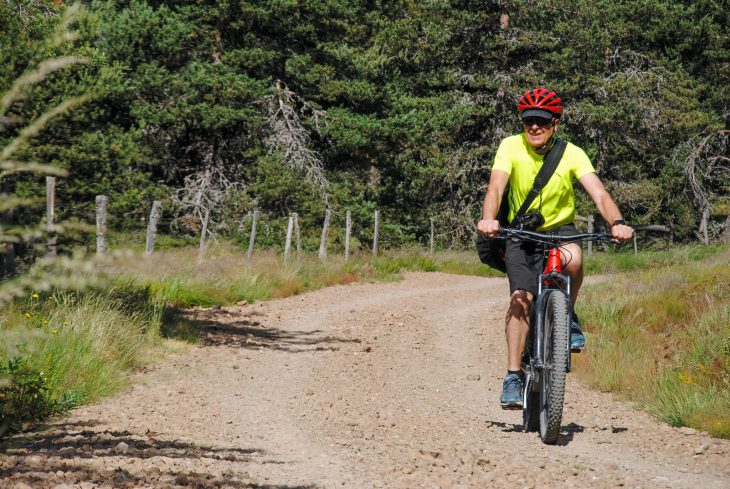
[367, 385]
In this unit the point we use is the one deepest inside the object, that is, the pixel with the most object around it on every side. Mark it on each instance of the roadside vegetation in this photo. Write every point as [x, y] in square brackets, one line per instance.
[64, 348]
[659, 336]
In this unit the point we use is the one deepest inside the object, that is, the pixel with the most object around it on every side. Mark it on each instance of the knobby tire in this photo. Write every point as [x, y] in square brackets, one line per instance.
[555, 357]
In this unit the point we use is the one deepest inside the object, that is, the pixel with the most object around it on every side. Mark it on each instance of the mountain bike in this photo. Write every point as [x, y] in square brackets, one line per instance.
[546, 360]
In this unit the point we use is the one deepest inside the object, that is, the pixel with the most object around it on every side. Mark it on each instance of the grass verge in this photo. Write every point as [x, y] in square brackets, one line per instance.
[660, 337]
[67, 348]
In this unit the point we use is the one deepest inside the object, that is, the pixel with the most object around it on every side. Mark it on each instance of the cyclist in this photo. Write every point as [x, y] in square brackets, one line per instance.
[516, 163]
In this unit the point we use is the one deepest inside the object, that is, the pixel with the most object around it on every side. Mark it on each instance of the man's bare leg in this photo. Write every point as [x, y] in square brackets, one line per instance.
[517, 326]
[516, 329]
[572, 258]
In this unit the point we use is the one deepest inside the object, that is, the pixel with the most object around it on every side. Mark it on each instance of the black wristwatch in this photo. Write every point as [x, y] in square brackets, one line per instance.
[617, 222]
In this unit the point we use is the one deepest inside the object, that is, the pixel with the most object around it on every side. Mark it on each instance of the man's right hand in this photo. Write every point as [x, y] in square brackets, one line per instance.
[489, 227]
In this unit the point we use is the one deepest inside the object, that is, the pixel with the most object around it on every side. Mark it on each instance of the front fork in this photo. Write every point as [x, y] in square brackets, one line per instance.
[550, 282]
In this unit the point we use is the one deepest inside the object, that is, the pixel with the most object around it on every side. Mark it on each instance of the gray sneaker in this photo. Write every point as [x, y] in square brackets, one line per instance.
[511, 392]
[577, 340]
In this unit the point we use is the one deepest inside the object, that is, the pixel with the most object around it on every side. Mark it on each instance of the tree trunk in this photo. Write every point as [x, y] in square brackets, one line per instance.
[432, 237]
[287, 244]
[348, 229]
[504, 19]
[204, 232]
[376, 232]
[703, 225]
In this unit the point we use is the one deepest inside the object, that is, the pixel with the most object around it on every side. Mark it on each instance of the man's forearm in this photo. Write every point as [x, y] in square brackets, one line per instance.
[490, 207]
[608, 209]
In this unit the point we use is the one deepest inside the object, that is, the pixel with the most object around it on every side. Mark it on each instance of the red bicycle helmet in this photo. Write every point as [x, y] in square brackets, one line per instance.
[540, 102]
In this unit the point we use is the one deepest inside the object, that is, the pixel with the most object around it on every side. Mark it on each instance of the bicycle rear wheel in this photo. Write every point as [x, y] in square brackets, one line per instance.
[555, 366]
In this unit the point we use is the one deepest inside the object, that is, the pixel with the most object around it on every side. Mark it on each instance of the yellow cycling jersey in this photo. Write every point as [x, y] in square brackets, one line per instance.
[556, 201]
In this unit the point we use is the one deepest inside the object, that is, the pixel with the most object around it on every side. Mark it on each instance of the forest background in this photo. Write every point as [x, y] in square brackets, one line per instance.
[302, 106]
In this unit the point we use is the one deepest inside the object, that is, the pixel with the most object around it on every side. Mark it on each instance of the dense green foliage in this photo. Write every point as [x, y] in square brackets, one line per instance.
[302, 105]
[23, 397]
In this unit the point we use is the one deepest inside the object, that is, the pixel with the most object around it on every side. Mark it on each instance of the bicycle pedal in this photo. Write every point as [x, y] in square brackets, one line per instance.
[512, 407]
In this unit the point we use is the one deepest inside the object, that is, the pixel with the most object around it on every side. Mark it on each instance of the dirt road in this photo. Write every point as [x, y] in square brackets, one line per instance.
[368, 385]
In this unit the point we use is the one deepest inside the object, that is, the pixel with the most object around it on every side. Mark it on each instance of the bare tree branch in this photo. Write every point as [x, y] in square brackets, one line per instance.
[290, 137]
[703, 166]
[206, 192]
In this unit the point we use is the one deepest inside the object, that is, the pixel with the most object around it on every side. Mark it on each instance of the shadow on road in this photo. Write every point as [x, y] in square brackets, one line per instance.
[508, 427]
[72, 453]
[220, 327]
[567, 432]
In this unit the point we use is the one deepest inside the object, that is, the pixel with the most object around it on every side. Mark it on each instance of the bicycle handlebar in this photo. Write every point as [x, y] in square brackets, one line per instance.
[505, 233]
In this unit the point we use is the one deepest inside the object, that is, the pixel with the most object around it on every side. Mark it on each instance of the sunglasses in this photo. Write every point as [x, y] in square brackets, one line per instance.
[531, 121]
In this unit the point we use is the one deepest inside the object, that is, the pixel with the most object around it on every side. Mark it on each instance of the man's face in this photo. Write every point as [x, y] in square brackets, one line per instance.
[538, 130]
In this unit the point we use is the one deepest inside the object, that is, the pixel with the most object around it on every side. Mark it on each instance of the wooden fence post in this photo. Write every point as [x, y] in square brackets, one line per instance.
[297, 233]
[591, 219]
[51, 215]
[432, 237]
[653, 228]
[252, 241]
[348, 229]
[376, 231]
[204, 232]
[636, 249]
[155, 216]
[101, 202]
[325, 233]
[287, 246]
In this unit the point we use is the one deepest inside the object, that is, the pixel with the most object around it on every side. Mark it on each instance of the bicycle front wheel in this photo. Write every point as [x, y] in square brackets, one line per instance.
[555, 365]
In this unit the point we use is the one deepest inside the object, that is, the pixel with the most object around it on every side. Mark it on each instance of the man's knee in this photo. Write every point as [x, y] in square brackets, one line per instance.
[519, 304]
[572, 258]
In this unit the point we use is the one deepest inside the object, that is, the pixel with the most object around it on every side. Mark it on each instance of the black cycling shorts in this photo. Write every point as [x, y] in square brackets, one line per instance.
[526, 260]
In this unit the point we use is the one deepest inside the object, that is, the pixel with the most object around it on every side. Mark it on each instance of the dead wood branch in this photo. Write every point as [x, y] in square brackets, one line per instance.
[289, 136]
[705, 167]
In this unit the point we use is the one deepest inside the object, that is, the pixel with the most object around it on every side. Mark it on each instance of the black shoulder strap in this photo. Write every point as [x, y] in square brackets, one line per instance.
[549, 164]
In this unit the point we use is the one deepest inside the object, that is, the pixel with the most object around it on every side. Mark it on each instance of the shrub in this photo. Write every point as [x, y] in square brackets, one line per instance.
[24, 397]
